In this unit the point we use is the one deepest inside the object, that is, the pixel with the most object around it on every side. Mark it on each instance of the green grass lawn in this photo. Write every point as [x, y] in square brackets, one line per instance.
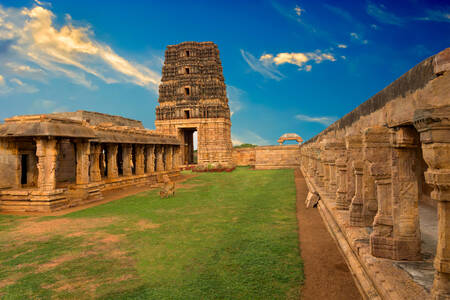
[222, 236]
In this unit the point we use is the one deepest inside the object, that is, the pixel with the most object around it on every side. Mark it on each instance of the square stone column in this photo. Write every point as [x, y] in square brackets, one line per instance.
[375, 139]
[341, 193]
[140, 163]
[83, 151]
[46, 151]
[127, 159]
[356, 207]
[150, 162]
[112, 171]
[353, 145]
[159, 152]
[95, 171]
[434, 128]
[176, 157]
[406, 193]
[169, 157]
[381, 239]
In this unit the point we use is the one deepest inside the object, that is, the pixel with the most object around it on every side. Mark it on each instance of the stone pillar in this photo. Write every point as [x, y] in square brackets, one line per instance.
[341, 193]
[434, 128]
[356, 207]
[83, 151]
[112, 171]
[46, 151]
[321, 171]
[406, 194]
[381, 239]
[176, 157]
[159, 150]
[150, 162]
[353, 144]
[140, 166]
[95, 171]
[169, 157]
[127, 160]
[375, 139]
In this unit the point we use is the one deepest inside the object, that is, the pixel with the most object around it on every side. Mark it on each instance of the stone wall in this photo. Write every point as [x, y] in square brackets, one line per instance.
[373, 168]
[267, 157]
[9, 165]
[96, 118]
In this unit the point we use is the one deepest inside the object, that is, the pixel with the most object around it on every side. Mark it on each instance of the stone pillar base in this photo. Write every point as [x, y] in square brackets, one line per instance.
[356, 218]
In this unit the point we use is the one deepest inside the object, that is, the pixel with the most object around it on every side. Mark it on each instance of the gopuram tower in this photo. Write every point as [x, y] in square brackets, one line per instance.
[192, 97]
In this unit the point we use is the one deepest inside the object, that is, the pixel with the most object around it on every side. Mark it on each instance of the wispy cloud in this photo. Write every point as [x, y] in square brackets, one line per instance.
[340, 12]
[327, 121]
[343, 46]
[68, 50]
[436, 15]
[300, 59]
[358, 38]
[235, 98]
[248, 137]
[42, 106]
[382, 15]
[265, 69]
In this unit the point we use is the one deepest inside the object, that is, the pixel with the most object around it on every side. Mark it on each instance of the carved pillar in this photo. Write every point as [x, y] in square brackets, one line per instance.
[356, 207]
[321, 172]
[374, 140]
[46, 151]
[159, 158]
[353, 144]
[434, 128]
[127, 159]
[405, 194]
[341, 193]
[112, 171]
[140, 167]
[169, 157]
[95, 171]
[381, 239]
[150, 167]
[176, 157]
[82, 172]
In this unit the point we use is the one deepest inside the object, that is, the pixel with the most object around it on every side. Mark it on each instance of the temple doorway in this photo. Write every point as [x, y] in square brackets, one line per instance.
[190, 141]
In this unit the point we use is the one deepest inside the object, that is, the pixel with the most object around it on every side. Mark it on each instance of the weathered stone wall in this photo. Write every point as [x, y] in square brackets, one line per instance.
[66, 163]
[9, 165]
[267, 157]
[372, 169]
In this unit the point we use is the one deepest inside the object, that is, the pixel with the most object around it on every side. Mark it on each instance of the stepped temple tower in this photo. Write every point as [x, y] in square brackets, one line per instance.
[192, 97]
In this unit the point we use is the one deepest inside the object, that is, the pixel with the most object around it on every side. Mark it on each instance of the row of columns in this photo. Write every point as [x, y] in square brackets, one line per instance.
[376, 176]
[148, 159]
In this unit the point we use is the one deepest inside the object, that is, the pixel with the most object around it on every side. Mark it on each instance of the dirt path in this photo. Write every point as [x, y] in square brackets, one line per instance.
[108, 196]
[326, 273]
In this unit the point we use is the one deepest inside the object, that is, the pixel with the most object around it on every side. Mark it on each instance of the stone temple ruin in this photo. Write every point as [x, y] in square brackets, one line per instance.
[192, 97]
[379, 176]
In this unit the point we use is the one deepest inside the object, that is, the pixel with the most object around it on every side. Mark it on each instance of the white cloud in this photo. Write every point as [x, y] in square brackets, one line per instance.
[69, 50]
[2, 80]
[380, 13]
[248, 137]
[374, 26]
[308, 68]
[265, 69]
[322, 120]
[42, 106]
[299, 59]
[354, 35]
[344, 57]
[343, 46]
[298, 10]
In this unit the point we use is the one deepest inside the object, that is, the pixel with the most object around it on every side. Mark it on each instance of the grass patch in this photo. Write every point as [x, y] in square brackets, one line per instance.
[225, 235]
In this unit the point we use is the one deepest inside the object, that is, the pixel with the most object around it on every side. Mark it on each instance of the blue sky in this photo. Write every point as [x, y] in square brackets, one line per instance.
[290, 66]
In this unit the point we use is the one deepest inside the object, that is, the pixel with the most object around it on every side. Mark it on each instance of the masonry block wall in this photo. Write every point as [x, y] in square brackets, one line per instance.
[267, 157]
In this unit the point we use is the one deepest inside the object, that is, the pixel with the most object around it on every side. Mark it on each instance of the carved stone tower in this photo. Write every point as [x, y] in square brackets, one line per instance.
[192, 97]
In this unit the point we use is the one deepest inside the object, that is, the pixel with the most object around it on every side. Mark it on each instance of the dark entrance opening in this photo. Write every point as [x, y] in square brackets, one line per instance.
[24, 165]
[119, 159]
[187, 115]
[189, 141]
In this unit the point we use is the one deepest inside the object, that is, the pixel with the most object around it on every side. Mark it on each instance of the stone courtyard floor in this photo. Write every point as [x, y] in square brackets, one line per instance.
[224, 235]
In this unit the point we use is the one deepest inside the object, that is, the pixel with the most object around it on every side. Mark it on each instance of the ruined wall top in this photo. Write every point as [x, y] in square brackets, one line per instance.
[192, 80]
